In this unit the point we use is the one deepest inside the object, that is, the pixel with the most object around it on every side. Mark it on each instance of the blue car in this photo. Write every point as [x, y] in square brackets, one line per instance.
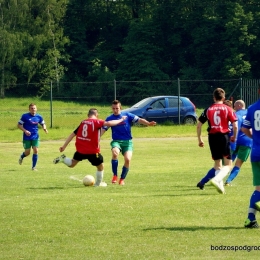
[165, 108]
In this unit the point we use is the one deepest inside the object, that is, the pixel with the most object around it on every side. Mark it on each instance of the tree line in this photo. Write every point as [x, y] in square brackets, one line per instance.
[43, 41]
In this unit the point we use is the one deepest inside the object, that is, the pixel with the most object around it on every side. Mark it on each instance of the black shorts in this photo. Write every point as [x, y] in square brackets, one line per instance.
[95, 159]
[219, 146]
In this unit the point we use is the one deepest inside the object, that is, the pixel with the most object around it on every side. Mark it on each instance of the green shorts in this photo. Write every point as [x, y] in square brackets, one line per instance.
[27, 144]
[256, 173]
[242, 152]
[124, 145]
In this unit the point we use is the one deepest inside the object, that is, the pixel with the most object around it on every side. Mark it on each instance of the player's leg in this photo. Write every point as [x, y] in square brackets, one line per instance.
[115, 149]
[206, 178]
[242, 156]
[254, 204]
[97, 160]
[68, 161]
[27, 149]
[127, 151]
[35, 146]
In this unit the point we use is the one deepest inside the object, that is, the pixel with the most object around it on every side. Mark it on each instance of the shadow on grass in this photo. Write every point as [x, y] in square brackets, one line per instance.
[191, 228]
[54, 188]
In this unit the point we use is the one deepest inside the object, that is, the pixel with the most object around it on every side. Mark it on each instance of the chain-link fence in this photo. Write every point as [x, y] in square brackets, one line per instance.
[128, 92]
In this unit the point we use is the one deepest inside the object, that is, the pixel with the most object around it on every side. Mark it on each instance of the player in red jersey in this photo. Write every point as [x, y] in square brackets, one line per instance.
[219, 116]
[87, 144]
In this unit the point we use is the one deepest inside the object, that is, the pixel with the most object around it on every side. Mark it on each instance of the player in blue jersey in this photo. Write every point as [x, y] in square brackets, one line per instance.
[29, 125]
[251, 127]
[122, 139]
[243, 142]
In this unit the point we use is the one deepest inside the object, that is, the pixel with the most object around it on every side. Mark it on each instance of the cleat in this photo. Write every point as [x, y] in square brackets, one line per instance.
[102, 184]
[34, 169]
[257, 205]
[200, 185]
[59, 159]
[20, 160]
[218, 185]
[251, 224]
[114, 180]
[121, 182]
[228, 184]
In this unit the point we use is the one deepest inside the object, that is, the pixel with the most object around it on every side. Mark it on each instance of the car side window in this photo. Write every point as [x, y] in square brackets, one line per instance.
[158, 104]
[173, 102]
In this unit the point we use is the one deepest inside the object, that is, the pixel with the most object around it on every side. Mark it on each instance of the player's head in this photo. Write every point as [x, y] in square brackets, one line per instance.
[92, 112]
[228, 103]
[219, 94]
[32, 109]
[116, 107]
[239, 104]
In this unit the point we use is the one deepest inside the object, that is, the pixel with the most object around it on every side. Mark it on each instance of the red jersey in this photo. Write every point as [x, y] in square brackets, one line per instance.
[218, 116]
[88, 136]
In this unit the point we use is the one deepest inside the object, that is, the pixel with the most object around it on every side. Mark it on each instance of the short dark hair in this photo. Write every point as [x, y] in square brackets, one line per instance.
[219, 94]
[92, 112]
[31, 105]
[115, 102]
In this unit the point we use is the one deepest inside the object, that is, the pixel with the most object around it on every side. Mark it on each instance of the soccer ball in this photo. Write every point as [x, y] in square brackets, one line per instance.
[88, 180]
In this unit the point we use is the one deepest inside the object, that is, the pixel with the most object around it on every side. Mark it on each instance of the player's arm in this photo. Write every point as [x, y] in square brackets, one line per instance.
[234, 128]
[107, 124]
[247, 132]
[69, 138]
[114, 122]
[44, 128]
[145, 122]
[20, 126]
[200, 141]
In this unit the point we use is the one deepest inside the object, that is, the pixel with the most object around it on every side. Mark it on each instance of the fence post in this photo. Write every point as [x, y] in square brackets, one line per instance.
[179, 109]
[115, 89]
[51, 104]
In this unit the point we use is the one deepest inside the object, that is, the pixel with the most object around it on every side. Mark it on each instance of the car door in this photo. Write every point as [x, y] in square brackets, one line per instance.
[157, 111]
[173, 109]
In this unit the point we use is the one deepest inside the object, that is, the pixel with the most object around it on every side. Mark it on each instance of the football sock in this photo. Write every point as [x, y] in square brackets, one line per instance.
[99, 177]
[252, 210]
[124, 172]
[34, 160]
[233, 157]
[67, 161]
[222, 173]
[208, 176]
[233, 174]
[23, 155]
[114, 166]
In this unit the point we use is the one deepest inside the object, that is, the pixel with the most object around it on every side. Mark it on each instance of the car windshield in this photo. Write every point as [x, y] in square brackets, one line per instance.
[142, 103]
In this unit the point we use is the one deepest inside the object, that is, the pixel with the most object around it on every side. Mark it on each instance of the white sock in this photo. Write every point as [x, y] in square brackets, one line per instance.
[223, 172]
[67, 161]
[99, 177]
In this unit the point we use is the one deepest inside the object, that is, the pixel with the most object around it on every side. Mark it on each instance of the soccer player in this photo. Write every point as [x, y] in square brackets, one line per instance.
[243, 142]
[218, 116]
[29, 125]
[122, 139]
[87, 144]
[251, 127]
[211, 173]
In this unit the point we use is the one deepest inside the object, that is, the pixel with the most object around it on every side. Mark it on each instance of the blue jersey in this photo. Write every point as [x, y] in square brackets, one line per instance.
[30, 123]
[242, 139]
[252, 120]
[122, 131]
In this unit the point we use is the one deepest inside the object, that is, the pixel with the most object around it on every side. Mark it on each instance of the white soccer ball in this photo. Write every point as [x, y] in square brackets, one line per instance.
[88, 180]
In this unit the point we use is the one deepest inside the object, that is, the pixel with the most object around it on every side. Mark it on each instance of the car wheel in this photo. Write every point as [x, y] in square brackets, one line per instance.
[189, 120]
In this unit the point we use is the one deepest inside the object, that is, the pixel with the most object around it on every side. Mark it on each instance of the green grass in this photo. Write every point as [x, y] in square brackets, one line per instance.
[158, 214]
[66, 116]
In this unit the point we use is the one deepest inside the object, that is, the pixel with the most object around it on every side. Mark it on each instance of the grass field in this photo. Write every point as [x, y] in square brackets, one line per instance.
[158, 214]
